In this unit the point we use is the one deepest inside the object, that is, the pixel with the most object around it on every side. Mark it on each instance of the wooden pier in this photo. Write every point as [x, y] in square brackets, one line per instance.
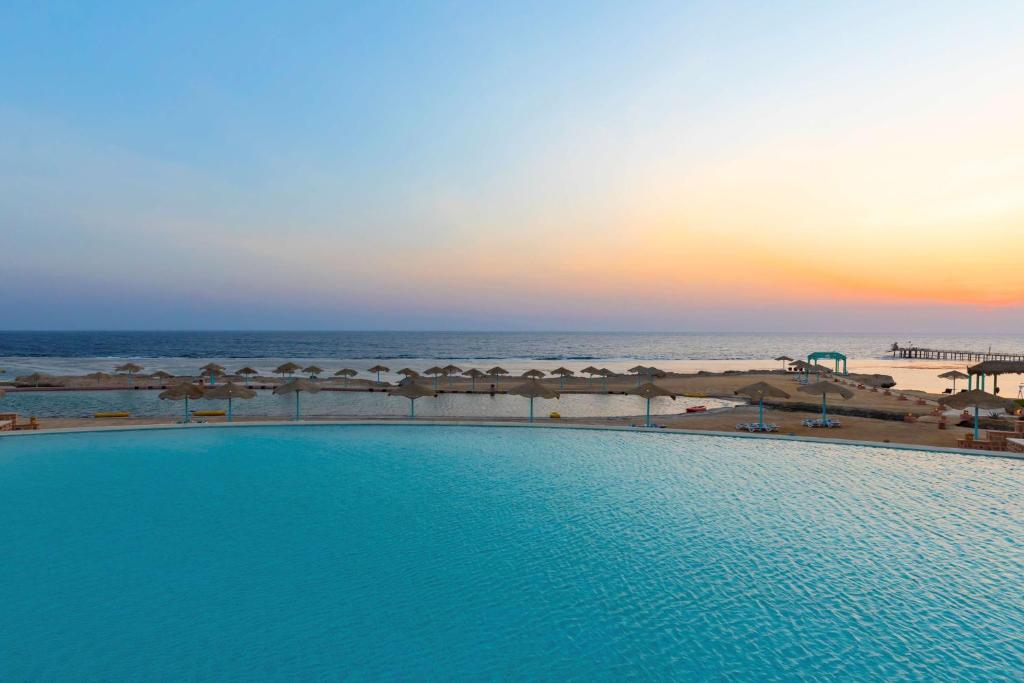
[915, 352]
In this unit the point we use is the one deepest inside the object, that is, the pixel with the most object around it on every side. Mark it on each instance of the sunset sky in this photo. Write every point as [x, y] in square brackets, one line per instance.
[578, 165]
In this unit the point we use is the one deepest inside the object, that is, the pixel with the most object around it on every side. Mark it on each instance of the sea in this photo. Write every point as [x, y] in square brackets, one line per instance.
[183, 352]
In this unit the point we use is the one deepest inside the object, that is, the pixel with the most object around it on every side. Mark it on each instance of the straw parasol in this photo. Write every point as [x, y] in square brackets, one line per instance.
[412, 390]
[605, 374]
[183, 391]
[532, 389]
[474, 375]
[297, 386]
[213, 366]
[131, 369]
[495, 372]
[162, 374]
[562, 374]
[823, 389]
[648, 391]
[954, 375]
[379, 369]
[979, 400]
[450, 370]
[533, 374]
[313, 371]
[434, 372]
[213, 374]
[288, 368]
[757, 391]
[346, 373]
[784, 360]
[247, 373]
[97, 376]
[590, 370]
[229, 391]
[408, 372]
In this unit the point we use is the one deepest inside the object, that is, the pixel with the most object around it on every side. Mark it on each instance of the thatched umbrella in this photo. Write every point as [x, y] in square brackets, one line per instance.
[757, 391]
[288, 368]
[954, 375]
[213, 366]
[590, 370]
[784, 359]
[434, 372]
[474, 375]
[346, 373]
[562, 374]
[297, 386]
[229, 391]
[533, 374]
[408, 373]
[648, 390]
[411, 390]
[97, 377]
[638, 370]
[823, 389]
[162, 374]
[496, 372]
[979, 400]
[379, 369]
[185, 390]
[533, 389]
[247, 373]
[450, 370]
[213, 374]
[605, 374]
[131, 369]
[35, 378]
[656, 373]
[313, 371]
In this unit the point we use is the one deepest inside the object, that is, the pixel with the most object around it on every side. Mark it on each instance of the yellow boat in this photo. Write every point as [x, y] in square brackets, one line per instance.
[209, 413]
[117, 413]
[555, 416]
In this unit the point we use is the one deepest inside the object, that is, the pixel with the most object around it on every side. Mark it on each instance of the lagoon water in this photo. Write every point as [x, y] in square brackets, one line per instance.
[410, 553]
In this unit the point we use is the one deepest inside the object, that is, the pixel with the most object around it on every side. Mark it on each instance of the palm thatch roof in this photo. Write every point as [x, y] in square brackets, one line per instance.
[434, 370]
[451, 369]
[976, 397]
[297, 385]
[760, 391]
[313, 370]
[129, 367]
[346, 372]
[229, 390]
[212, 366]
[637, 369]
[497, 370]
[783, 358]
[563, 372]
[247, 371]
[474, 373]
[590, 370]
[408, 372]
[212, 372]
[286, 368]
[824, 388]
[997, 367]
[161, 374]
[533, 389]
[411, 390]
[97, 376]
[180, 391]
[379, 368]
[649, 390]
[533, 374]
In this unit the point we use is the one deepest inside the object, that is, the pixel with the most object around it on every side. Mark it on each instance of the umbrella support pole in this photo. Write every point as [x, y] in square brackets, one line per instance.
[412, 408]
[531, 410]
[648, 412]
[187, 418]
[229, 410]
[975, 423]
[296, 406]
[824, 407]
[760, 413]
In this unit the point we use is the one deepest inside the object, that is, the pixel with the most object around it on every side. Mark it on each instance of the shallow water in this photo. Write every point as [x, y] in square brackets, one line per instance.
[368, 552]
[342, 404]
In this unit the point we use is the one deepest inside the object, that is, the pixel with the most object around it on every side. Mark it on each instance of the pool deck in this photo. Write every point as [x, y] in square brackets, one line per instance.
[520, 424]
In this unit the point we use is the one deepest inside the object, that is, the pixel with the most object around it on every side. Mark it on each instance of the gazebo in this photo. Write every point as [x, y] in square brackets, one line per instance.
[977, 374]
[813, 358]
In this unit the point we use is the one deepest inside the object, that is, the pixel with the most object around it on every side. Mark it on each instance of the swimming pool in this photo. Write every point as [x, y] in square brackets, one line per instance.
[411, 552]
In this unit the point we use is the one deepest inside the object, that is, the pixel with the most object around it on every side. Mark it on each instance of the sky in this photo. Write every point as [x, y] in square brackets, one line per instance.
[719, 166]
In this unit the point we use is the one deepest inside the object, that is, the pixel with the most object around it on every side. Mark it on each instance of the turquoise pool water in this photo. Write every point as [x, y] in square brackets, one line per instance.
[391, 552]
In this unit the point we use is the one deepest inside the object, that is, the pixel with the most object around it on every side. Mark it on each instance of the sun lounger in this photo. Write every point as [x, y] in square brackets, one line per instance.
[756, 427]
[828, 424]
